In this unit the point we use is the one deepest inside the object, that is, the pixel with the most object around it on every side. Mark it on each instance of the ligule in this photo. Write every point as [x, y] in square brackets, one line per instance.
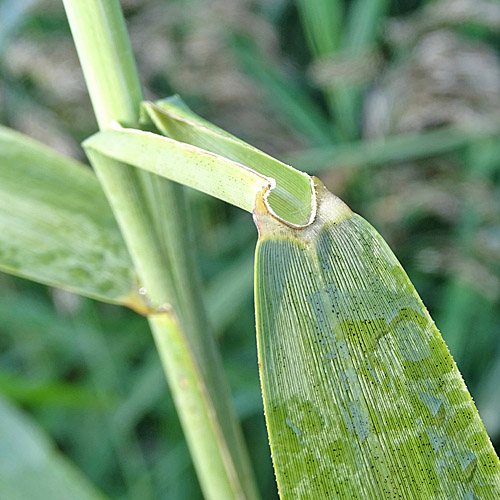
[362, 398]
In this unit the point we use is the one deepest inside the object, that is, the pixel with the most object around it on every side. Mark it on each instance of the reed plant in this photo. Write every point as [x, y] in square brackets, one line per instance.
[361, 396]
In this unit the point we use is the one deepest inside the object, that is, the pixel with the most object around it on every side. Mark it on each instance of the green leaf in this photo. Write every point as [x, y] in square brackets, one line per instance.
[396, 148]
[56, 226]
[322, 23]
[208, 171]
[361, 395]
[228, 292]
[290, 100]
[332, 35]
[291, 196]
[30, 465]
[46, 393]
[179, 162]
[364, 21]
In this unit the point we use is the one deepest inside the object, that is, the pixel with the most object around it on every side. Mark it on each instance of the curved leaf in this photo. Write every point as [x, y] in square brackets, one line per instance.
[291, 196]
[361, 395]
[56, 226]
[179, 162]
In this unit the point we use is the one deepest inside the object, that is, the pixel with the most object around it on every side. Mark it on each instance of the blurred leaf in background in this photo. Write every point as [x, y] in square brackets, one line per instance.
[29, 465]
[399, 112]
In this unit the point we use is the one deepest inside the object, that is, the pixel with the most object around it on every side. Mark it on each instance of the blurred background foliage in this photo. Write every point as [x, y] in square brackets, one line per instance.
[395, 104]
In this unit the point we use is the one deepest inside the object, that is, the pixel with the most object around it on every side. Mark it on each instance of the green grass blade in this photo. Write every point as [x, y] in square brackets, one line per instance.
[361, 395]
[30, 465]
[289, 99]
[173, 117]
[291, 197]
[179, 162]
[396, 148]
[327, 39]
[363, 24]
[47, 393]
[209, 172]
[322, 23]
[56, 226]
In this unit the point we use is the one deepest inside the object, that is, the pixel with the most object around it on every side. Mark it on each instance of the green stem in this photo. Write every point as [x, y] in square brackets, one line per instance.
[150, 212]
[106, 57]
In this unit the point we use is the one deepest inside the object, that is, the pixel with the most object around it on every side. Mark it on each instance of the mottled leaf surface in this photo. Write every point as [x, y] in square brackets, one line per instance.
[56, 226]
[362, 397]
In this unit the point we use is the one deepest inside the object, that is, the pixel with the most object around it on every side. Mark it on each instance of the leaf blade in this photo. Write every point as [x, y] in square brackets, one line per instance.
[56, 226]
[361, 395]
[291, 196]
[179, 162]
[30, 466]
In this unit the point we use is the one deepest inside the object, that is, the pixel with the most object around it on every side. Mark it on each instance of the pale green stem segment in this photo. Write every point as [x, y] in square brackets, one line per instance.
[159, 247]
[180, 162]
[106, 58]
[362, 398]
[191, 394]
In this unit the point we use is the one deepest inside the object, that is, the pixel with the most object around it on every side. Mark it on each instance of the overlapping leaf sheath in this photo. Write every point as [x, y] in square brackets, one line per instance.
[362, 398]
